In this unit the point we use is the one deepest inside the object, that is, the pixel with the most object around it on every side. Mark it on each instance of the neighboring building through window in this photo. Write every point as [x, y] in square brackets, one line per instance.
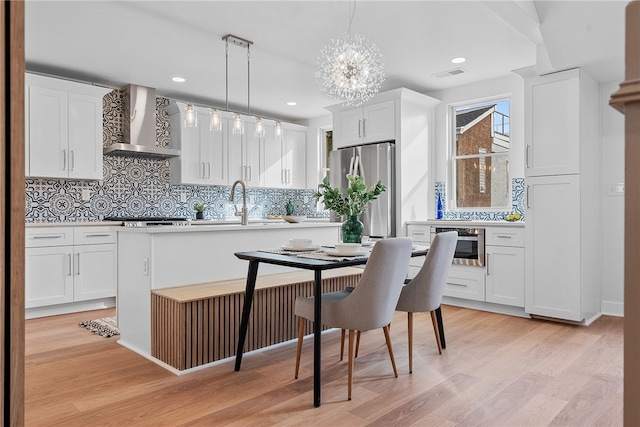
[480, 160]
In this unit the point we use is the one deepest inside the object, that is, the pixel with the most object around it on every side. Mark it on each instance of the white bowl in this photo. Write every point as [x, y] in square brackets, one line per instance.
[294, 218]
[348, 248]
[300, 243]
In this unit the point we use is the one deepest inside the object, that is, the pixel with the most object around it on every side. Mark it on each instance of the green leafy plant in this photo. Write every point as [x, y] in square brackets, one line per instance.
[199, 207]
[289, 208]
[356, 200]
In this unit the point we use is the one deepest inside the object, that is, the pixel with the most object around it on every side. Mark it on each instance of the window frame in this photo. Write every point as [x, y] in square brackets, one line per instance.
[451, 178]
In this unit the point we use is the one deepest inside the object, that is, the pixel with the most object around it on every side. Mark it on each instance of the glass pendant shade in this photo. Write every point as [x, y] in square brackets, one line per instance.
[277, 131]
[351, 68]
[190, 116]
[238, 126]
[215, 123]
[259, 130]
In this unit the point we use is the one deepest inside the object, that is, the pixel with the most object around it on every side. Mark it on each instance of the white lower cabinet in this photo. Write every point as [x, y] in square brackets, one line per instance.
[500, 281]
[69, 264]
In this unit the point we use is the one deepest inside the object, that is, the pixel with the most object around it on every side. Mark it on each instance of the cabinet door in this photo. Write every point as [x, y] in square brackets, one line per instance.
[95, 272]
[48, 276]
[347, 128]
[294, 155]
[505, 275]
[465, 282]
[273, 170]
[213, 153]
[48, 133]
[552, 236]
[85, 136]
[252, 152]
[552, 126]
[379, 123]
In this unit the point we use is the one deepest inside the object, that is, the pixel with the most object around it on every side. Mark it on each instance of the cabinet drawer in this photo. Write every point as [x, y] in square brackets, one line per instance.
[41, 237]
[93, 235]
[505, 236]
[419, 233]
[465, 282]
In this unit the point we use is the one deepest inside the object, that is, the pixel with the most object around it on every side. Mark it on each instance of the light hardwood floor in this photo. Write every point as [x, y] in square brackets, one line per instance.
[496, 371]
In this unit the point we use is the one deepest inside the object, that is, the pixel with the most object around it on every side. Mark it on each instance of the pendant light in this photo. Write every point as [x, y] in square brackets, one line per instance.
[215, 123]
[190, 116]
[238, 125]
[277, 131]
[351, 68]
[259, 130]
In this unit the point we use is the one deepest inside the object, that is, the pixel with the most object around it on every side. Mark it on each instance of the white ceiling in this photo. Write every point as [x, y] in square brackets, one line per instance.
[148, 42]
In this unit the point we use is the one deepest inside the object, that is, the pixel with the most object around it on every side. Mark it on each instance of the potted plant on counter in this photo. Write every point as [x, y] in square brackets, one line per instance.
[351, 205]
[199, 208]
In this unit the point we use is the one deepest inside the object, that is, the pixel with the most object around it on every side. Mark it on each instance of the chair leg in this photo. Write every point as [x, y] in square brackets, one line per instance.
[410, 338]
[443, 343]
[388, 339]
[342, 345]
[435, 330]
[351, 357]
[357, 343]
[299, 351]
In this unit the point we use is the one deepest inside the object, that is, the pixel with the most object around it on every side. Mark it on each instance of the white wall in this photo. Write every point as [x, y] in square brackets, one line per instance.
[612, 131]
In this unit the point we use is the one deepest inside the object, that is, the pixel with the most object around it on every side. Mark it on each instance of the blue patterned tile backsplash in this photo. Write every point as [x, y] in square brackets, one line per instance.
[140, 187]
[517, 204]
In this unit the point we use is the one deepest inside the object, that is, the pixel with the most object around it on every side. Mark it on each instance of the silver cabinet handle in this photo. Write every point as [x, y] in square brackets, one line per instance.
[48, 236]
[202, 174]
[208, 170]
[64, 160]
[73, 160]
[78, 264]
[98, 235]
[364, 127]
[487, 264]
[527, 197]
[457, 284]
[502, 236]
[69, 265]
[250, 175]
[359, 128]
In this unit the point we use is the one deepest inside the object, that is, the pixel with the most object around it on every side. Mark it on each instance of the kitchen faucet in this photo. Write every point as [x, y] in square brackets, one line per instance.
[243, 213]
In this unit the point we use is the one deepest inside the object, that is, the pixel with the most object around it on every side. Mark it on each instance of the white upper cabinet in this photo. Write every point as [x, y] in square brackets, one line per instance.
[246, 153]
[552, 123]
[63, 128]
[204, 158]
[371, 123]
[285, 157]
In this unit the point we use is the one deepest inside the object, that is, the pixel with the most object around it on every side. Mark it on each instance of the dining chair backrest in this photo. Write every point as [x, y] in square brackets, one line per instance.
[424, 292]
[373, 301]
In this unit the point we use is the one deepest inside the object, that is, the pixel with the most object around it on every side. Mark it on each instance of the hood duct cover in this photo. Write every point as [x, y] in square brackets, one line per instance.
[139, 126]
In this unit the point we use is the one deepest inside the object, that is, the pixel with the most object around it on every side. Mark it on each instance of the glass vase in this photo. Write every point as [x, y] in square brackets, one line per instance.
[352, 230]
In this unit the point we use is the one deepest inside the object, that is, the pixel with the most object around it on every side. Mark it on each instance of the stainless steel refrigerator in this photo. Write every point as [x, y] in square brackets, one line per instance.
[374, 162]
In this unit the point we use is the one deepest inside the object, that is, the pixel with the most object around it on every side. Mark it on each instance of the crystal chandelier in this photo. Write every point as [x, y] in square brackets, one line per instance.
[351, 68]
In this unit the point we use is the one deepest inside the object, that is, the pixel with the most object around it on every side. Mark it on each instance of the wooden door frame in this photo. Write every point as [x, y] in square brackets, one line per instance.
[12, 210]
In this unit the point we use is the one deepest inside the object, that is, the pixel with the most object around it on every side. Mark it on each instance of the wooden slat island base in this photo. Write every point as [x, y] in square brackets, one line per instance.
[198, 324]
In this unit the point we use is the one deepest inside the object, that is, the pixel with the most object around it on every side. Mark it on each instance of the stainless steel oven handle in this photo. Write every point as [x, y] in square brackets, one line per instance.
[468, 238]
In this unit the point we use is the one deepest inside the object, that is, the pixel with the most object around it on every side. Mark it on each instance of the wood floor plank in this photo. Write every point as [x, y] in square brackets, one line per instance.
[496, 370]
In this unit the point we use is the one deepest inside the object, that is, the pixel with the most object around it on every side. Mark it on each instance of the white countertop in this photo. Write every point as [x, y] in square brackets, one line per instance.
[467, 223]
[71, 224]
[212, 226]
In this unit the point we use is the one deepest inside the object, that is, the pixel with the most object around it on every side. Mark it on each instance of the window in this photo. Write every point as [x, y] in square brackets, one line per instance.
[480, 156]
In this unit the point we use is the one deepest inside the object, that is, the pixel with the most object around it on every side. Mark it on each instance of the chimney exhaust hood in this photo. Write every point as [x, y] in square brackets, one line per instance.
[139, 126]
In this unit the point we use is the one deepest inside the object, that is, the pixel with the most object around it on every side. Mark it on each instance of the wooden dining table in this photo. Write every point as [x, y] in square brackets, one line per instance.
[295, 261]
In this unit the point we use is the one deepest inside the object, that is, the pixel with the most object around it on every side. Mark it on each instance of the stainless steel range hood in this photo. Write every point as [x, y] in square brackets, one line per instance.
[139, 126]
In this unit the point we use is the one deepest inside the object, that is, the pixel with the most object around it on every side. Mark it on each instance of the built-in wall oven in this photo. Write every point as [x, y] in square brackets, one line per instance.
[470, 246]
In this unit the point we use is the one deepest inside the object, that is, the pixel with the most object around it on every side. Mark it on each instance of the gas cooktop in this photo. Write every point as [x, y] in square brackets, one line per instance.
[144, 221]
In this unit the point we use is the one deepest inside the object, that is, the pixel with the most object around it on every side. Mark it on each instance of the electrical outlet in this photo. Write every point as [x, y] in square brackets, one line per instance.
[86, 194]
[183, 196]
[616, 189]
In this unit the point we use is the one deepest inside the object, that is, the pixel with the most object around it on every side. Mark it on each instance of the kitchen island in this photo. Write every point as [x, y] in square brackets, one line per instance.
[154, 258]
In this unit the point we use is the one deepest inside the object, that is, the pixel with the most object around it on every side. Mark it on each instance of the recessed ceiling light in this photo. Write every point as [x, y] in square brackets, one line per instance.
[292, 103]
[179, 79]
[458, 60]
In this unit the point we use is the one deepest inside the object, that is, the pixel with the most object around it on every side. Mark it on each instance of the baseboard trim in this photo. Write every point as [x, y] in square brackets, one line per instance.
[612, 308]
[73, 307]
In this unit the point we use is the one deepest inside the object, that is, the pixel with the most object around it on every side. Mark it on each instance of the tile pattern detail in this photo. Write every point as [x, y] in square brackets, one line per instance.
[517, 204]
[140, 186]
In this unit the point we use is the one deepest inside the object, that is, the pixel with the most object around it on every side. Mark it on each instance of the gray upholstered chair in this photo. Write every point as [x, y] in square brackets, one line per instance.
[370, 305]
[424, 292]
